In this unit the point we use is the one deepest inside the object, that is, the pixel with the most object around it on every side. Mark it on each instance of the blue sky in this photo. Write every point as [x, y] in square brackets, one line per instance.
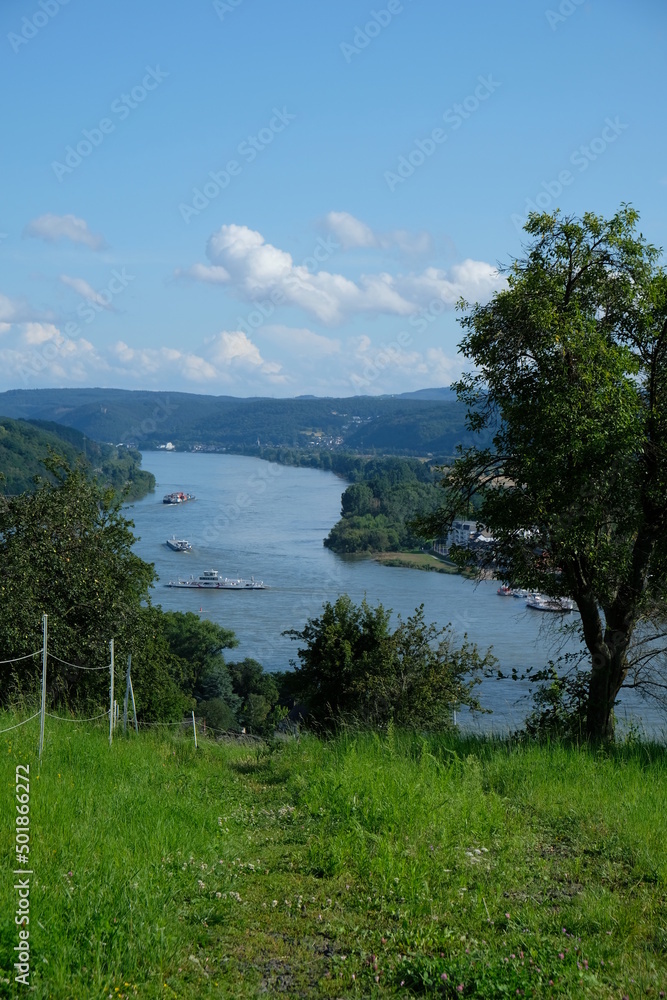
[258, 198]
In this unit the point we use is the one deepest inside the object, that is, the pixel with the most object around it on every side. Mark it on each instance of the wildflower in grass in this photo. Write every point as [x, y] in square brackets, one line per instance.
[442, 976]
[460, 988]
[561, 955]
[507, 915]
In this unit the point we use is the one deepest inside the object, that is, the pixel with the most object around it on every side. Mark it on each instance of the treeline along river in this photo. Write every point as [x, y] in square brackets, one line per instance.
[256, 518]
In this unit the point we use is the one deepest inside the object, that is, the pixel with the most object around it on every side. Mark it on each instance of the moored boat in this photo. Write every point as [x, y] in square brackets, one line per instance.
[541, 602]
[211, 580]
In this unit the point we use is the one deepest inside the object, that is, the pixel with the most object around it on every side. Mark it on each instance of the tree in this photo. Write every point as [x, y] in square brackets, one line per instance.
[256, 691]
[569, 373]
[354, 668]
[66, 551]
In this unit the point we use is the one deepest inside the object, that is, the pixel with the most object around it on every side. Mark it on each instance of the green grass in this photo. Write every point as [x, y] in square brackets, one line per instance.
[361, 867]
[415, 560]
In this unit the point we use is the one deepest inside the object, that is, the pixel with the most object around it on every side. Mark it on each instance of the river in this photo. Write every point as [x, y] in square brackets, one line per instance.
[257, 518]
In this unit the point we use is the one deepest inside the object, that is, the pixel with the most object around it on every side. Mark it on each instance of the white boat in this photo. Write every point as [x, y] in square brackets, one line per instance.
[210, 580]
[541, 602]
[179, 544]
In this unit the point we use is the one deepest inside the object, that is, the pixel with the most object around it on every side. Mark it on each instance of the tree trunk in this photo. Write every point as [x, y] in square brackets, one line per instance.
[608, 647]
[608, 672]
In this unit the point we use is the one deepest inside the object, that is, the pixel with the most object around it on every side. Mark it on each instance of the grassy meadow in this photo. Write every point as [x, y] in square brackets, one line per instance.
[393, 865]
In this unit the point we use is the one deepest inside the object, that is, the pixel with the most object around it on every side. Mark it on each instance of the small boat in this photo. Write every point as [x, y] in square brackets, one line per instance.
[177, 498]
[210, 580]
[505, 591]
[179, 544]
[541, 602]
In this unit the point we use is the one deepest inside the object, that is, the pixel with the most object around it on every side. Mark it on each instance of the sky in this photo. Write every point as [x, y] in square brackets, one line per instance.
[246, 197]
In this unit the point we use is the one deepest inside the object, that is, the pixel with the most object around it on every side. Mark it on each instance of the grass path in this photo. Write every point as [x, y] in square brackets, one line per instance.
[368, 866]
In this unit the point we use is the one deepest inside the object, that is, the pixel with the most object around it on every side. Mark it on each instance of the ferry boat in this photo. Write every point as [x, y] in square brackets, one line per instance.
[210, 580]
[179, 544]
[177, 497]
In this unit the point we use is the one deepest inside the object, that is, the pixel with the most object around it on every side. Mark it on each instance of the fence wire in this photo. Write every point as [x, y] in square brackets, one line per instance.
[76, 666]
[19, 724]
[16, 659]
[65, 719]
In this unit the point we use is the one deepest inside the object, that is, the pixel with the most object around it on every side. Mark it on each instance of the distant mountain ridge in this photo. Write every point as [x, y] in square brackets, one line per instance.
[426, 422]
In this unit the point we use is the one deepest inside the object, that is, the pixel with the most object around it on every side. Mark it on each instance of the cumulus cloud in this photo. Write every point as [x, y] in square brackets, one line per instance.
[53, 228]
[39, 353]
[162, 361]
[257, 271]
[353, 233]
[86, 291]
[473, 280]
[234, 349]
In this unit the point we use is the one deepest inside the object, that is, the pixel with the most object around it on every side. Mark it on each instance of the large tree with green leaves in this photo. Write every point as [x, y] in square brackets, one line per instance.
[569, 371]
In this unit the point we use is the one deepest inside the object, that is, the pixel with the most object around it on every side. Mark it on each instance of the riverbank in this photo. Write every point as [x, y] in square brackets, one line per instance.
[390, 865]
[428, 562]
[415, 560]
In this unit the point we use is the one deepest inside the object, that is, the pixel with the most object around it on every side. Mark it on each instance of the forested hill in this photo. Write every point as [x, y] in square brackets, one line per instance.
[25, 445]
[423, 423]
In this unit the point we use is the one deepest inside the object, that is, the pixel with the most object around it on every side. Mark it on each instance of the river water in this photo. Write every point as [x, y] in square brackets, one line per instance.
[257, 518]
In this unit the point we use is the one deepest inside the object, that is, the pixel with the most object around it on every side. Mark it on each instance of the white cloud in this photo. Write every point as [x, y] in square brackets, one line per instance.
[350, 231]
[257, 271]
[53, 228]
[39, 333]
[301, 340]
[473, 280]
[201, 272]
[234, 350]
[86, 291]
[353, 234]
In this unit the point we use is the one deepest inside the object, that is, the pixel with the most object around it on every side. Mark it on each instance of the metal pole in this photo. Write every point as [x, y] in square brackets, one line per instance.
[41, 725]
[111, 695]
[127, 692]
[194, 729]
[134, 707]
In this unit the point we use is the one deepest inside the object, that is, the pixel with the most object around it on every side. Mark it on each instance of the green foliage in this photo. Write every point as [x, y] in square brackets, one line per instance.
[353, 668]
[24, 447]
[569, 373]
[258, 693]
[560, 704]
[66, 551]
[218, 714]
[378, 514]
[198, 642]
[160, 678]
